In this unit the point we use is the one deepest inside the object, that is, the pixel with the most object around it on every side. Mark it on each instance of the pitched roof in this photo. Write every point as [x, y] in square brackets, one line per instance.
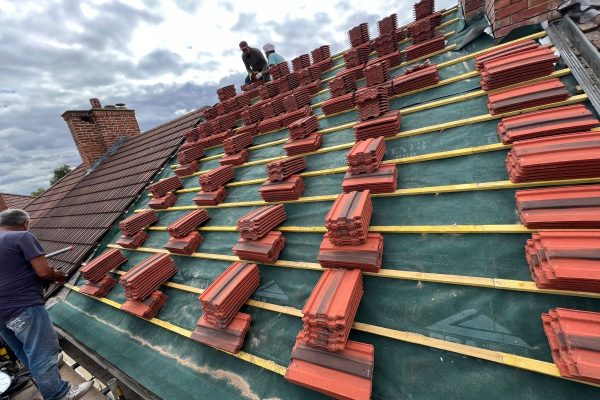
[79, 209]
[16, 200]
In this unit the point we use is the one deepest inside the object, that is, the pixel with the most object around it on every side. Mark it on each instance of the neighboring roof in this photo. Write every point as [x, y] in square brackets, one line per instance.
[16, 200]
[79, 209]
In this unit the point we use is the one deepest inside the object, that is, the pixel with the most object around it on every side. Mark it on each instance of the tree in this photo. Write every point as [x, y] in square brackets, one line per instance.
[59, 172]
[37, 192]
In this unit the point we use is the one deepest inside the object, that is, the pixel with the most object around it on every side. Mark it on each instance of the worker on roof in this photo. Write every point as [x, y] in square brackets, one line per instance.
[25, 325]
[273, 58]
[255, 62]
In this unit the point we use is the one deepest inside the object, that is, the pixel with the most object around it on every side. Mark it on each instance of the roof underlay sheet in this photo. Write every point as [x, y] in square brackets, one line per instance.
[445, 319]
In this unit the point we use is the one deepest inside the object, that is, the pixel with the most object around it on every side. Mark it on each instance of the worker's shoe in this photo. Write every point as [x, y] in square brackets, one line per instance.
[77, 391]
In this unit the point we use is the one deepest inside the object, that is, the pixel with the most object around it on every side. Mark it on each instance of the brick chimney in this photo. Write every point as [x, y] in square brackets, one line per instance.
[96, 130]
[472, 8]
[3, 205]
[506, 15]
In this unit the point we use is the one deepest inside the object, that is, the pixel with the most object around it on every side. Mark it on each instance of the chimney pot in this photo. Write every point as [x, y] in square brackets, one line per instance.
[95, 103]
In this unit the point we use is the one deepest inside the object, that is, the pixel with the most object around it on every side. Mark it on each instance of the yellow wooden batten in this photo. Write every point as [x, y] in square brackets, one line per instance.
[507, 359]
[461, 280]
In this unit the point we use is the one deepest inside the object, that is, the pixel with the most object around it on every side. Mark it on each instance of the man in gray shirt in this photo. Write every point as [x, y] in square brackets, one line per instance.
[255, 63]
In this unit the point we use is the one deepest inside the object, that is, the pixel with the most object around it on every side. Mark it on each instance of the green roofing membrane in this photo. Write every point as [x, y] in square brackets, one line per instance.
[175, 367]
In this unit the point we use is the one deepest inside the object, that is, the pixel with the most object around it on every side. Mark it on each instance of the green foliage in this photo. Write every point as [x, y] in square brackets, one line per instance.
[37, 192]
[59, 172]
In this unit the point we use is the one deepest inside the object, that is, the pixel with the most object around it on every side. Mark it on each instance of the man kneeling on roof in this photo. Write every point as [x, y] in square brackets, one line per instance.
[25, 325]
[255, 62]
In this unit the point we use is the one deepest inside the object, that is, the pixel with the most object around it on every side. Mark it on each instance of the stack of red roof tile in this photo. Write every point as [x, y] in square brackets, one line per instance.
[253, 129]
[366, 155]
[191, 135]
[387, 25]
[210, 113]
[289, 189]
[519, 67]
[226, 92]
[243, 100]
[272, 108]
[210, 198]
[188, 223]
[372, 102]
[297, 99]
[234, 144]
[140, 283]
[553, 121]
[357, 56]
[287, 82]
[320, 53]
[239, 158]
[425, 48]
[561, 207]
[366, 256]
[185, 245]
[301, 62]
[567, 156]
[222, 325]
[355, 72]
[230, 338]
[377, 73]
[315, 72]
[526, 44]
[386, 44]
[268, 125]
[386, 125]
[325, 64]
[216, 177]
[423, 8]
[382, 180]
[394, 59]
[573, 337]
[304, 76]
[268, 90]
[248, 87]
[536, 94]
[135, 223]
[265, 250]
[252, 115]
[97, 268]
[348, 219]
[165, 186]
[204, 130]
[98, 283]
[279, 70]
[416, 79]
[99, 288]
[284, 168]
[291, 117]
[359, 35]
[187, 169]
[330, 310]
[345, 374]
[338, 104]
[231, 105]
[191, 153]
[160, 203]
[141, 280]
[561, 260]
[132, 241]
[303, 127]
[259, 222]
[421, 30]
[147, 308]
[341, 85]
[308, 144]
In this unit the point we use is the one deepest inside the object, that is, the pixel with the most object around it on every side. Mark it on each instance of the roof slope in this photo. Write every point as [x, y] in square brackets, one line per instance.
[16, 200]
[80, 208]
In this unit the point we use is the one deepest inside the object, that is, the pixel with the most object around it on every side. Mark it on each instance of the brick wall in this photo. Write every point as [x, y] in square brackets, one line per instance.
[506, 15]
[94, 131]
[472, 8]
[3, 205]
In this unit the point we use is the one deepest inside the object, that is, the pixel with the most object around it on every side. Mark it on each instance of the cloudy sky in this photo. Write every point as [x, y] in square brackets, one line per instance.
[161, 58]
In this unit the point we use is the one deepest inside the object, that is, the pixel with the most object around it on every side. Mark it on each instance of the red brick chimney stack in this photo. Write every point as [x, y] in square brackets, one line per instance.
[96, 130]
[3, 205]
[506, 15]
